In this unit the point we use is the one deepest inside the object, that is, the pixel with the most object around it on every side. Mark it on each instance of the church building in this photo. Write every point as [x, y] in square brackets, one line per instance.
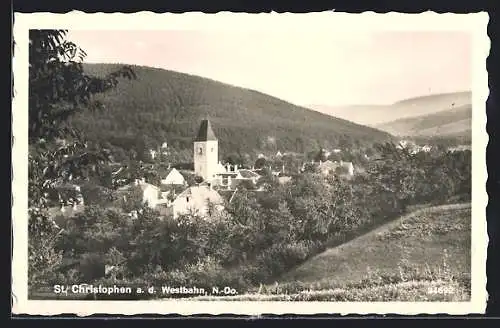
[206, 152]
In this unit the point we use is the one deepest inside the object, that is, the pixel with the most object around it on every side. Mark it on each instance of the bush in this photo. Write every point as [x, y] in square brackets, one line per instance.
[281, 257]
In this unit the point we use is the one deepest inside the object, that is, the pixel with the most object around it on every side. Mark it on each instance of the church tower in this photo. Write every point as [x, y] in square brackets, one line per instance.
[206, 152]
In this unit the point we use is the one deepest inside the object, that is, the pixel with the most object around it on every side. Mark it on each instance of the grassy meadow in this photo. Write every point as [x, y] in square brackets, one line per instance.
[423, 256]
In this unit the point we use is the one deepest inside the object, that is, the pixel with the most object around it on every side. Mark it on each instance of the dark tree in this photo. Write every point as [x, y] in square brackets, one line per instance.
[58, 153]
[260, 163]
[320, 156]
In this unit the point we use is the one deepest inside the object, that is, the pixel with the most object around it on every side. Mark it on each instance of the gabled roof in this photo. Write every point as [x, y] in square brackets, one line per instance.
[199, 194]
[205, 133]
[247, 174]
[284, 179]
[142, 185]
[230, 174]
[173, 173]
[328, 165]
[347, 164]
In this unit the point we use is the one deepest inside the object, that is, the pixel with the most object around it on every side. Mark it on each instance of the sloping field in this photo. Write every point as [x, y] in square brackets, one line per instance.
[423, 256]
[420, 238]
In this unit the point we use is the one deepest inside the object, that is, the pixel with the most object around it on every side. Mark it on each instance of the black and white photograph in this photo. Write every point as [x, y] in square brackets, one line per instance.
[231, 159]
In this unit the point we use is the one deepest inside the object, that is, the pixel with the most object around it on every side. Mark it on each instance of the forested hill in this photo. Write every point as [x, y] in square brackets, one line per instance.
[162, 105]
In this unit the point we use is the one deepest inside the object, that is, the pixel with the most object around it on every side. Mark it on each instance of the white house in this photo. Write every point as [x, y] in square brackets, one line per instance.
[174, 177]
[153, 153]
[150, 193]
[284, 179]
[196, 200]
[329, 167]
[426, 148]
[226, 179]
[220, 168]
[246, 175]
[408, 145]
[348, 167]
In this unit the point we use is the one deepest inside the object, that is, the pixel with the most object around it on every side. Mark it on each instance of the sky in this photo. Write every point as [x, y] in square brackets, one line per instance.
[324, 68]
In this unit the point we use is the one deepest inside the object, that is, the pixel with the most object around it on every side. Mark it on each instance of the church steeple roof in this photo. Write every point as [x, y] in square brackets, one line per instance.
[205, 133]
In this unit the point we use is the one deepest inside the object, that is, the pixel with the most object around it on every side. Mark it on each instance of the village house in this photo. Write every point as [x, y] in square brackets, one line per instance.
[459, 148]
[197, 200]
[164, 149]
[408, 145]
[247, 177]
[226, 178]
[173, 177]
[426, 148]
[327, 167]
[153, 153]
[232, 176]
[68, 202]
[150, 193]
[333, 167]
[284, 179]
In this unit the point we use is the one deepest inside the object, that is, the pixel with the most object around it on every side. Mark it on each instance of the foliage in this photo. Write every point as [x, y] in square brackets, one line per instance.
[94, 194]
[320, 156]
[260, 163]
[58, 153]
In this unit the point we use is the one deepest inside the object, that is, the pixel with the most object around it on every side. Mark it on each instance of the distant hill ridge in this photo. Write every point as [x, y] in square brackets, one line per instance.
[454, 121]
[375, 115]
[163, 105]
[446, 98]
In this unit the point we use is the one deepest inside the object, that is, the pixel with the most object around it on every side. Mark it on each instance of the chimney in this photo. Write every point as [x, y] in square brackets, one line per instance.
[228, 167]
[235, 167]
[136, 182]
[143, 180]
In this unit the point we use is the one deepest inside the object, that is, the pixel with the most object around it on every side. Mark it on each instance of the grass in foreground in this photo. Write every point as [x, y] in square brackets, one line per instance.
[424, 256]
